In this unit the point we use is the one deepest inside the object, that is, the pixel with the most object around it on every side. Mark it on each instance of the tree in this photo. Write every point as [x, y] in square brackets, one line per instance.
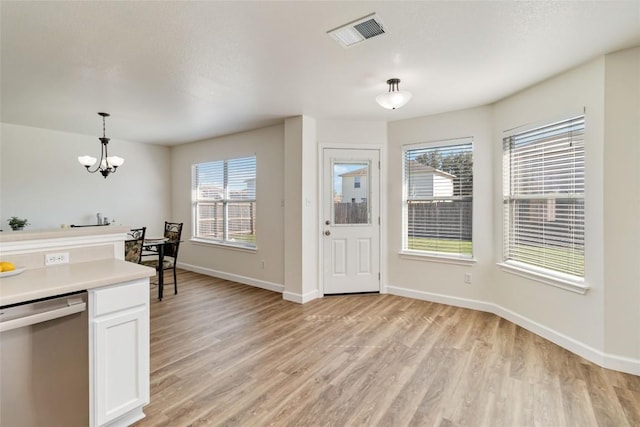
[431, 158]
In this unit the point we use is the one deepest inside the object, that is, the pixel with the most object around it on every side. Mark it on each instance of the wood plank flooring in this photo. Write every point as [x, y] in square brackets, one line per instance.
[226, 354]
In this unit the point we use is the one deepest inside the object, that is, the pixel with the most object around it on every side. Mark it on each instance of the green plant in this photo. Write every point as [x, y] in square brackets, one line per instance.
[17, 223]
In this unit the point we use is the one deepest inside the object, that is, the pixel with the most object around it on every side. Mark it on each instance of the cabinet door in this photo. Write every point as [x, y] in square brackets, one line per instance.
[121, 362]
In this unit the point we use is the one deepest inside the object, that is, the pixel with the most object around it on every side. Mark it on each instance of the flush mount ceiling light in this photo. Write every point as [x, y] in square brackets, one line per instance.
[394, 98]
[107, 164]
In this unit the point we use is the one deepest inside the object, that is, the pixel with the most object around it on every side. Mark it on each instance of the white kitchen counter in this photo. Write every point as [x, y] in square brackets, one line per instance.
[60, 233]
[92, 259]
[61, 279]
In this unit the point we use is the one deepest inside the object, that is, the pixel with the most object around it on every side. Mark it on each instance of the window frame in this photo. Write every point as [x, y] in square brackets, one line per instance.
[226, 199]
[538, 273]
[437, 256]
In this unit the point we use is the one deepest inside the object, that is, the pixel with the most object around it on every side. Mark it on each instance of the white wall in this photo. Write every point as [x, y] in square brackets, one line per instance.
[622, 203]
[348, 133]
[573, 315]
[428, 278]
[300, 189]
[236, 264]
[41, 179]
[304, 138]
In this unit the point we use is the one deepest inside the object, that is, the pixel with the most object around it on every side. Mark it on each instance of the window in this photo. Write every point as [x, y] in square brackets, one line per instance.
[438, 197]
[356, 182]
[543, 198]
[224, 201]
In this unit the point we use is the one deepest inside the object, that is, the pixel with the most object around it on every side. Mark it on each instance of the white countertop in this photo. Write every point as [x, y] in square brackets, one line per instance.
[59, 233]
[61, 279]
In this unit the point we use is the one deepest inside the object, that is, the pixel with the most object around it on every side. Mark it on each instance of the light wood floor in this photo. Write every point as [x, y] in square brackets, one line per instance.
[229, 354]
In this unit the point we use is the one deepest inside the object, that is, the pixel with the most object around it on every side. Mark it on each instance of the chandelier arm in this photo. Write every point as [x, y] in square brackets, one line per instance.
[103, 152]
[92, 171]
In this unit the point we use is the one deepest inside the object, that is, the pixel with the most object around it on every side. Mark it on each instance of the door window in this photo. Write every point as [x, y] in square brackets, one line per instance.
[351, 193]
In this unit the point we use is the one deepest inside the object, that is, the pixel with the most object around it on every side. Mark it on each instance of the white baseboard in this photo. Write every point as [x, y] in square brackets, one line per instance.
[440, 298]
[270, 286]
[263, 284]
[609, 361]
[299, 298]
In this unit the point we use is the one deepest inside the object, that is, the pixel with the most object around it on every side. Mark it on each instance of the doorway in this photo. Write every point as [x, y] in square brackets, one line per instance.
[351, 220]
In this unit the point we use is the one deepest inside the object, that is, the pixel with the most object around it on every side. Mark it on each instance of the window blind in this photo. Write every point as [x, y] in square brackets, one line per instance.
[543, 197]
[438, 189]
[225, 200]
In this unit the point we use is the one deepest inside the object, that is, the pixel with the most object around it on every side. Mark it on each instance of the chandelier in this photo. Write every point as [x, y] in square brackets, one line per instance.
[106, 165]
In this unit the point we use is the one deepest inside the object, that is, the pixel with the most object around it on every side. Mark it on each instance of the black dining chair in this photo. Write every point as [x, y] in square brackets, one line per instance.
[133, 245]
[173, 234]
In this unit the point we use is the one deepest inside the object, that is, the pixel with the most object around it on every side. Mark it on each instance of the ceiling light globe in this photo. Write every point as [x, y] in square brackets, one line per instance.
[115, 161]
[393, 99]
[87, 161]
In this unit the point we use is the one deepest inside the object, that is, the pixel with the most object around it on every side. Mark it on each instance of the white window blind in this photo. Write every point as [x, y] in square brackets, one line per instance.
[224, 201]
[438, 190]
[543, 197]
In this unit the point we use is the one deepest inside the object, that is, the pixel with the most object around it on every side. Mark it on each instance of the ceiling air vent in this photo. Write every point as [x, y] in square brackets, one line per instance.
[358, 31]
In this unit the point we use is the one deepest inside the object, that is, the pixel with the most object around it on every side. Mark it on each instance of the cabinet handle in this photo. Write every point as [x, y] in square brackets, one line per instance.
[42, 317]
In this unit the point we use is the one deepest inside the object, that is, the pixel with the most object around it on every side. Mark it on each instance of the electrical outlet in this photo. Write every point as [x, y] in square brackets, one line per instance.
[59, 258]
[467, 278]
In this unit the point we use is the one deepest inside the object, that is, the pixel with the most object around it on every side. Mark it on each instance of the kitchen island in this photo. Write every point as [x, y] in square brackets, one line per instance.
[65, 261]
[56, 280]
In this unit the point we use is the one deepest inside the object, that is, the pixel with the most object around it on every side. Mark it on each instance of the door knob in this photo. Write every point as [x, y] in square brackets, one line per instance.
[327, 233]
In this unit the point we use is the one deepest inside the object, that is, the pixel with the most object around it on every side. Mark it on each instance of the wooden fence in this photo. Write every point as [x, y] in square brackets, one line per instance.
[350, 213]
[240, 221]
[453, 219]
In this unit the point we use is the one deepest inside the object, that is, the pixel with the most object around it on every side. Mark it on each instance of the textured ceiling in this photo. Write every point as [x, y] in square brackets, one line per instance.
[174, 72]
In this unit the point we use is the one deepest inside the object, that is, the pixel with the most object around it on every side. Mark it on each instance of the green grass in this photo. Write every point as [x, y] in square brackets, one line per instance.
[556, 259]
[462, 247]
[246, 238]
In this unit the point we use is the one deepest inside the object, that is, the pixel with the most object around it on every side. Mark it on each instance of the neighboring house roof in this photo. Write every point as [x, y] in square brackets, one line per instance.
[417, 167]
[357, 172]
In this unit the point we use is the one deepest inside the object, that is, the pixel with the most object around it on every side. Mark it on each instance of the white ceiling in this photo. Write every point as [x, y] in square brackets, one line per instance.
[173, 72]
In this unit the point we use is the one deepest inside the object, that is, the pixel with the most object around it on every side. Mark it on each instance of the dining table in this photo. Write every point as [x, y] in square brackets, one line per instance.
[157, 245]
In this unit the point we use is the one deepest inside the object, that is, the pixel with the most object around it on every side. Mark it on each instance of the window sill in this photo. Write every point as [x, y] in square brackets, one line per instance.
[240, 248]
[565, 282]
[444, 259]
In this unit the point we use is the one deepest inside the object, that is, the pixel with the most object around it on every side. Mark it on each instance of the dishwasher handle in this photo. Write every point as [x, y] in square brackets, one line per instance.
[74, 306]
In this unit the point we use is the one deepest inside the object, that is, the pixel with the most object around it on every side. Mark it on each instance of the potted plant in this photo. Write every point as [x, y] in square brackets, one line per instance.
[17, 223]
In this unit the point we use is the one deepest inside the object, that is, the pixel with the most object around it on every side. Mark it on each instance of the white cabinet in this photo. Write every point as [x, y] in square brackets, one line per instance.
[119, 353]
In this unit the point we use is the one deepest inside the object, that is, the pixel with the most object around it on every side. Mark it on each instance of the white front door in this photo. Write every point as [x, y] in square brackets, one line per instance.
[351, 221]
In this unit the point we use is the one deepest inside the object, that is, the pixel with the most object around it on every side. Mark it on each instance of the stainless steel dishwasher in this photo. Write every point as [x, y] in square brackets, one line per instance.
[44, 363]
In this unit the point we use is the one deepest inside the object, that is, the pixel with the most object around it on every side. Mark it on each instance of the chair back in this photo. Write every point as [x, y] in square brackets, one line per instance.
[133, 245]
[173, 233]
